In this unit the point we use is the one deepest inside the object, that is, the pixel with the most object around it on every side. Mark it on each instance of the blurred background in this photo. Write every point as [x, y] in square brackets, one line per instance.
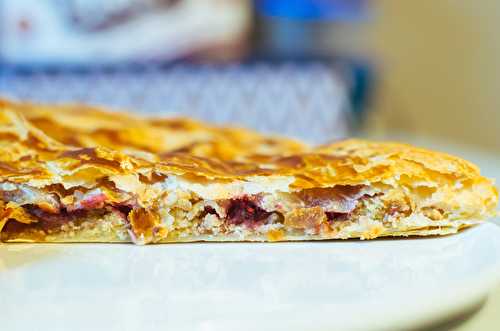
[315, 69]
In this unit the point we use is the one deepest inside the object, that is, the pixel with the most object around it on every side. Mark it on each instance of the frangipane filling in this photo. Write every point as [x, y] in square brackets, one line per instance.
[178, 213]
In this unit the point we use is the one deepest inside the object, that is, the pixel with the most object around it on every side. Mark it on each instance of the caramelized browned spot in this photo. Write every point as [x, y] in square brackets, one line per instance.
[7, 167]
[89, 155]
[305, 218]
[152, 178]
[184, 149]
[332, 157]
[120, 140]
[211, 166]
[291, 161]
[143, 222]
[8, 136]
[61, 191]
[56, 131]
[173, 124]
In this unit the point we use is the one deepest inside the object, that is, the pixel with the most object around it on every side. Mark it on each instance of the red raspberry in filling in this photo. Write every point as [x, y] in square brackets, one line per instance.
[245, 211]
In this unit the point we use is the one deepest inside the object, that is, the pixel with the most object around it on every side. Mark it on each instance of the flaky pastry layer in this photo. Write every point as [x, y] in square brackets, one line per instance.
[72, 175]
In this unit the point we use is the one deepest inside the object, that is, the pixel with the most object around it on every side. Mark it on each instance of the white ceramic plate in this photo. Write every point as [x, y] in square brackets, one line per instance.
[384, 284]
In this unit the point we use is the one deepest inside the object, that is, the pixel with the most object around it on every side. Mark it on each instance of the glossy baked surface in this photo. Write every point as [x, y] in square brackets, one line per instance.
[63, 149]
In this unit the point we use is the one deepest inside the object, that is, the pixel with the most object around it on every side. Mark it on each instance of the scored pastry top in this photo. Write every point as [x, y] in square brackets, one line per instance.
[44, 143]
[84, 126]
[65, 151]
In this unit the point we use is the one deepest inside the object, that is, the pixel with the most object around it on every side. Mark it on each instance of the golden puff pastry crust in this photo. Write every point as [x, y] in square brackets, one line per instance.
[84, 126]
[75, 173]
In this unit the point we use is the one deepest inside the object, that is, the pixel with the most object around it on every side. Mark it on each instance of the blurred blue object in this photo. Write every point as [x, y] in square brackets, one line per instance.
[313, 9]
[361, 89]
[298, 29]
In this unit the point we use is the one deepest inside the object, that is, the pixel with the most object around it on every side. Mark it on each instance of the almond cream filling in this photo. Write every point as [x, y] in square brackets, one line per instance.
[179, 212]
